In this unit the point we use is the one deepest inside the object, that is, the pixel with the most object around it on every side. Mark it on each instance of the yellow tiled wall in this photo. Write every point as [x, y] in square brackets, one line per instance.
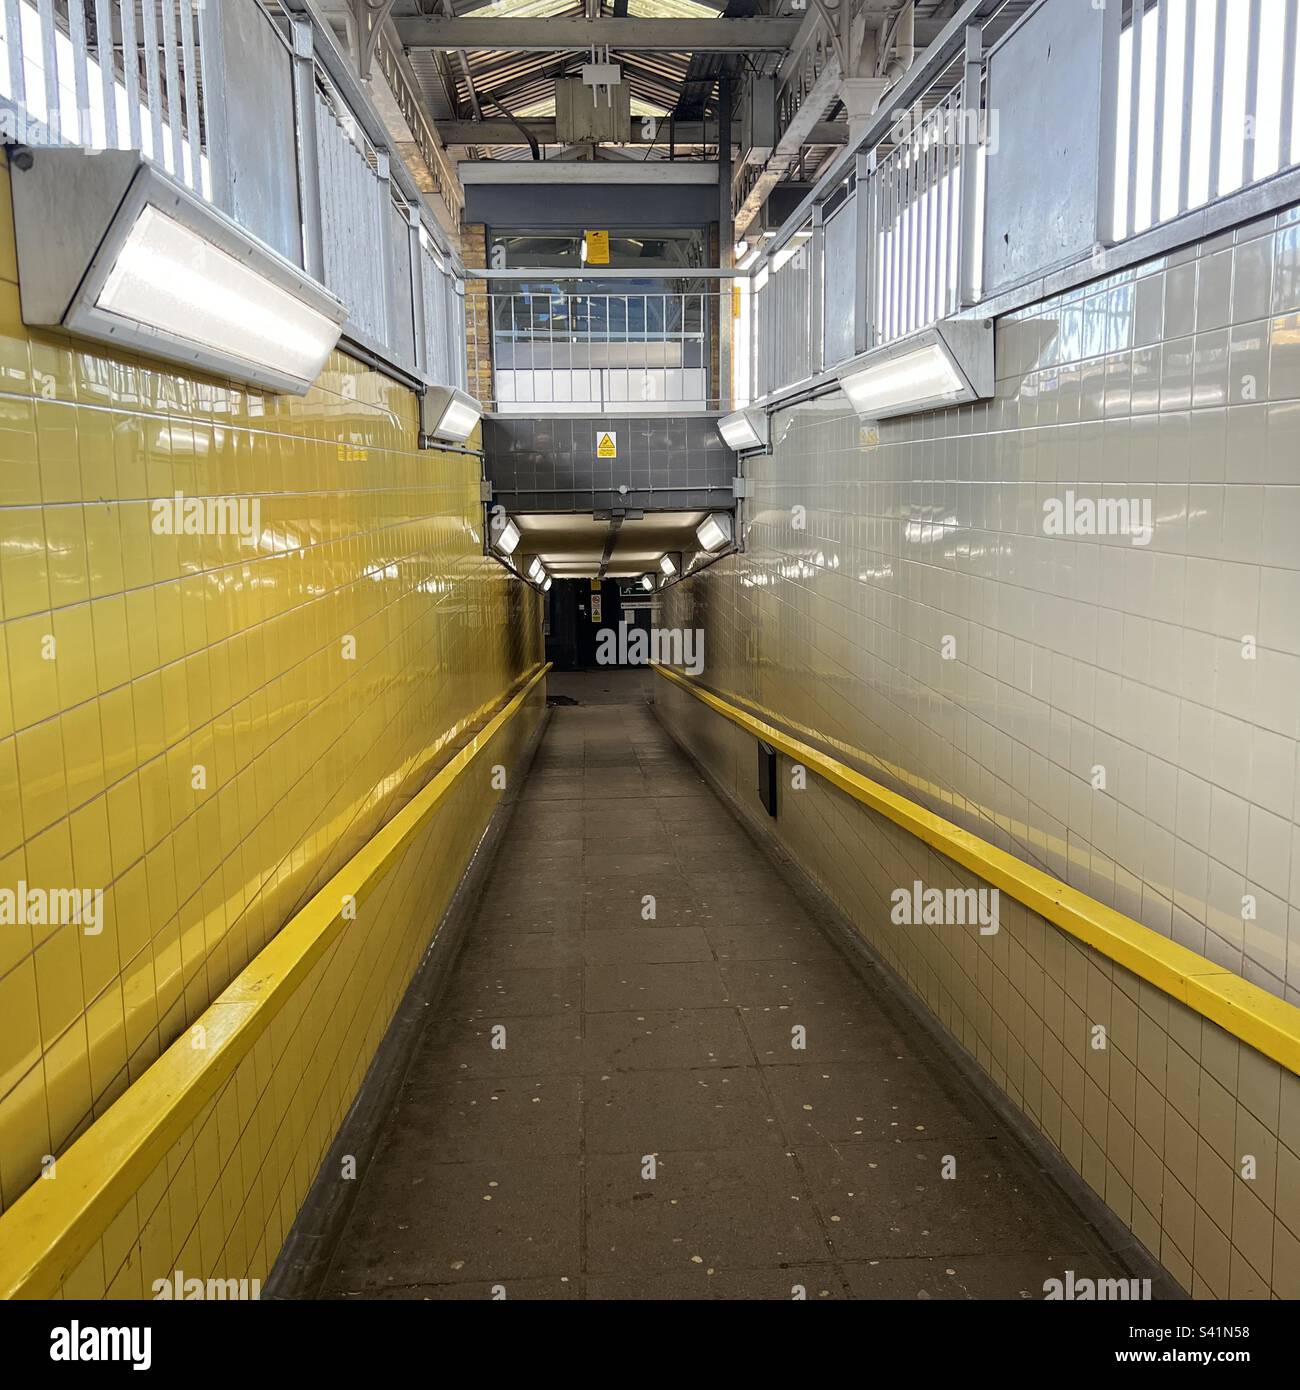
[206, 726]
[221, 1203]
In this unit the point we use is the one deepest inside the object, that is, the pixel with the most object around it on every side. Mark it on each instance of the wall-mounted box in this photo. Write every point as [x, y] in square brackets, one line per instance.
[586, 115]
[758, 131]
[767, 776]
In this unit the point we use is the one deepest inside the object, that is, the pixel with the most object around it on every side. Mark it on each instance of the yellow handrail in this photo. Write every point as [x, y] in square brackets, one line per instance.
[51, 1227]
[1263, 1021]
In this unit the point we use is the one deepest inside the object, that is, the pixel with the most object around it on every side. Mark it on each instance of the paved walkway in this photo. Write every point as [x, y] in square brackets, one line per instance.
[664, 1046]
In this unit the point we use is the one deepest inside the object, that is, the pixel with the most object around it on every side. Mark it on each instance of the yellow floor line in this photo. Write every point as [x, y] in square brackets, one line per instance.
[52, 1226]
[1263, 1021]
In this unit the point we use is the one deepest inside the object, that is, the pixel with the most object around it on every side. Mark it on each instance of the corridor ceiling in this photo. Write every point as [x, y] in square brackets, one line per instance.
[499, 86]
[574, 546]
[525, 82]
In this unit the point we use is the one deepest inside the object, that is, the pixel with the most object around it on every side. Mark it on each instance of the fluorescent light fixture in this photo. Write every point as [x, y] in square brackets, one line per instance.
[446, 413]
[536, 570]
[141, 263]
[745, 429]
[170, 278]
[667, 566]
[714, 531]
[648, 582]
[947, 364]
[742, 249]
[508, 538]
[546, 584]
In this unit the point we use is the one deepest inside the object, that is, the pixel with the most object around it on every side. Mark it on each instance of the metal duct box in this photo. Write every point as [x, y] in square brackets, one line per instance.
[587, 115]
[758, 117]
[767, 776]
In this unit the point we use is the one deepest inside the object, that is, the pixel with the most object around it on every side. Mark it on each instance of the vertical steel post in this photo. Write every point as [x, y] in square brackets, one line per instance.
[1107, 138]
[1185, 128]
[1216, 98]
[1287, 101]
[1158, 134]
[817, 291]
[212, 55]
[14, 43]
[968, 191]
[384, 173]
[420, 353]
[304, 105]
[863, 252]
[1250, 135]
[726, 245]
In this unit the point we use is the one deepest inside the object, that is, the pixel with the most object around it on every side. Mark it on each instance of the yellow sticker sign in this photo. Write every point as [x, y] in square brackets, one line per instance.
[607, 445]
[597, 248]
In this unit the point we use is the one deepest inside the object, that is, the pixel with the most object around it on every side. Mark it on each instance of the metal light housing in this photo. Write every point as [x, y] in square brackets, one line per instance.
[715, 531]
[946, 364]
[449, 414]
[111, 248]
[507, 538]
[744, 430]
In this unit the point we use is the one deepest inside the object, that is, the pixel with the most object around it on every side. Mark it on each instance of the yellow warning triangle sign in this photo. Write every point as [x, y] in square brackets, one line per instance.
[607, 445]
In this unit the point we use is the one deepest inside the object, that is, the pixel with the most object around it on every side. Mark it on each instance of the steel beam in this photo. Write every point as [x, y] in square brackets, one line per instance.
[564, 171]
[561, 34]
[493, 132]
[793, 138]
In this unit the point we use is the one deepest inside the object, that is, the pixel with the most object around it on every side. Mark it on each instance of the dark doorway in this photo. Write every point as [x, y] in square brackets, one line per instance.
[578, 613]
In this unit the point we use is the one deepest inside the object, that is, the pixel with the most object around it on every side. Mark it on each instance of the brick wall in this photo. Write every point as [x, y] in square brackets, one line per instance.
[478, 312]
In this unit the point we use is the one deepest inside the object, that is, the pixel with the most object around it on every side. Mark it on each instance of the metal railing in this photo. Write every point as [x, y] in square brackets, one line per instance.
[391, 61]
[1203, 104]
[253, 106]
[443, 326]
[888, 241]
[559, 347]
[914, 223]
[1196, 102]
[109, 75]
[1191, 101]
[782, 326]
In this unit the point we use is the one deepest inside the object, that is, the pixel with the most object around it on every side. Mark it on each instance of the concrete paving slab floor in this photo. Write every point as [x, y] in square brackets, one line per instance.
[647, 1131]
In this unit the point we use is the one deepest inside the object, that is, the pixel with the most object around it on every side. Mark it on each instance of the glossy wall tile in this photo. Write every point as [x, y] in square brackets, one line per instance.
[1067, 617]
[1190, 1136]
[235, 631]
[220, 1204]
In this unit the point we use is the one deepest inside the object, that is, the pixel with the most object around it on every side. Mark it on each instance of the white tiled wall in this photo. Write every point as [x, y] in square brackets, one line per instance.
[1177, 382]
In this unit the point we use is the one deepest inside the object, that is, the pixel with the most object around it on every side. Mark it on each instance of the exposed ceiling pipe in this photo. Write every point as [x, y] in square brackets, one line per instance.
[523, 130]
[897, 49]
[449, 9]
